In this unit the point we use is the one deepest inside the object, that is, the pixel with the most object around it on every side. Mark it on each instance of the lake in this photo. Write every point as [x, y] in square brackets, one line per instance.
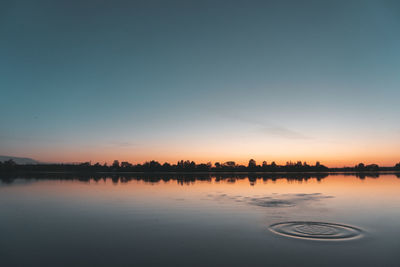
[200, 220]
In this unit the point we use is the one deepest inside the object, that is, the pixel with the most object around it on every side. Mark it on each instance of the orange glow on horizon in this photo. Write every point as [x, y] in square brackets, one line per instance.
[385, 153]
[329, 162]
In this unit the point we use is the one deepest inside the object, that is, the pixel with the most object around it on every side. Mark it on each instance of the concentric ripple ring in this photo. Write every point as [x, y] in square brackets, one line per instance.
[316, 230]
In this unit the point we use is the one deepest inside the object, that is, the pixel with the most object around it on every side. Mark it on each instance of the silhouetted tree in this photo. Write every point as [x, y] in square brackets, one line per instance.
[230, 164]
[252, 164]
[125, 164]
[203, 167]
[152, 165]
[192, 165]
[397, 166]
[360, 166]
[372, 167]
[264, 164]
[166, 166]
[115, 164]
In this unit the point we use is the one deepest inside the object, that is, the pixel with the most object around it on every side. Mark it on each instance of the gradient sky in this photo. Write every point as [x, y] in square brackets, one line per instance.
[202, 80]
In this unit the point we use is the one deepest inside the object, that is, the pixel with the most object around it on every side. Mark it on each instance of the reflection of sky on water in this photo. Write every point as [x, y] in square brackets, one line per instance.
[204, 222]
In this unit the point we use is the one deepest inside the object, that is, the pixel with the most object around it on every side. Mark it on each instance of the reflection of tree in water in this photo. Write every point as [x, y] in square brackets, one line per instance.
[183, 179]
[363, 175]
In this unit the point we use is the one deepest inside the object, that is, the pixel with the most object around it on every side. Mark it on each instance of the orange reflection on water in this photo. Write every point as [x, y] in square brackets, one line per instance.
[343, 187]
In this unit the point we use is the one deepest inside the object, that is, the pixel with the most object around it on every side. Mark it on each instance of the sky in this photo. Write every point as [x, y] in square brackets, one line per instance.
[201, 80]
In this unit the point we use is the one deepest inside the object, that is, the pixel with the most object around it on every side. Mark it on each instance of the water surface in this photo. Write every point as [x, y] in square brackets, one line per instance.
[200, 220]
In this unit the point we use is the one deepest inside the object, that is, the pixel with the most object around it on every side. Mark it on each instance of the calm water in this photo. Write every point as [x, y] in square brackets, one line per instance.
[204, 220]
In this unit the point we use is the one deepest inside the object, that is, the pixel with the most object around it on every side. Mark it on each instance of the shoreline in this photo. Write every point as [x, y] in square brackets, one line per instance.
[332, 172]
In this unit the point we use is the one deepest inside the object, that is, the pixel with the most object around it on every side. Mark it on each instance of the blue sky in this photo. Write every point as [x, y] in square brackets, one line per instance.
[137, 80]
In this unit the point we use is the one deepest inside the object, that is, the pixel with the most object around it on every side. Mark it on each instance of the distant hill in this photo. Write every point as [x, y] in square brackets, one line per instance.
[19, 160]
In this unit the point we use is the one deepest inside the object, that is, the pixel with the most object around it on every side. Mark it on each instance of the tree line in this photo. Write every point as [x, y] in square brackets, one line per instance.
[190, 166]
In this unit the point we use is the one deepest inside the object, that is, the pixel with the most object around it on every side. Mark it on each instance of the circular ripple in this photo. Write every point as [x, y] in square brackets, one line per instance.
[316, 230]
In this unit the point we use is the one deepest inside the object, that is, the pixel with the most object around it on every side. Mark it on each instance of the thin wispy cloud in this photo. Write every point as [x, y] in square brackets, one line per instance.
[270, 129]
